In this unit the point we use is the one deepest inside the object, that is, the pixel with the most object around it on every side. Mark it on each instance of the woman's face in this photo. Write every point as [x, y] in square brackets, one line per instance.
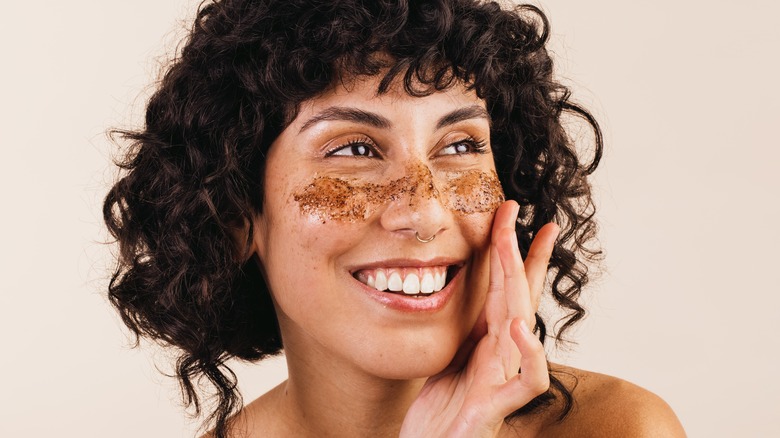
[348, 184]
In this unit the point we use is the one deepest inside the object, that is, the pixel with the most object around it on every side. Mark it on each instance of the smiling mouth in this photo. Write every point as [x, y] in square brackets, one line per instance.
[419, 282]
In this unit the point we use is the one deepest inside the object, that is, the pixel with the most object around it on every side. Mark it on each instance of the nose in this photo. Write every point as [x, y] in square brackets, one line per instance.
[415, 208]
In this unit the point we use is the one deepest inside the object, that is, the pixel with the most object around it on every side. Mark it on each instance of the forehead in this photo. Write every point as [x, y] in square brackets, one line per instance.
[363, 92]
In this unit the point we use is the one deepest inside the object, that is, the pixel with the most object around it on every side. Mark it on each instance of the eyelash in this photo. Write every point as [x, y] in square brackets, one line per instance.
[477, 147]
[364, 141]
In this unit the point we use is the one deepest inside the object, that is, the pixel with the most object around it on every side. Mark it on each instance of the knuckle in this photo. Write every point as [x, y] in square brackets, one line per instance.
[494, 285]
[536, 349]
[542, 385]
[538, 384]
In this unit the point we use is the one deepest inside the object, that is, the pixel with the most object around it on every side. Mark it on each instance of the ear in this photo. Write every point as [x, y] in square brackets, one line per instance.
[244, 235]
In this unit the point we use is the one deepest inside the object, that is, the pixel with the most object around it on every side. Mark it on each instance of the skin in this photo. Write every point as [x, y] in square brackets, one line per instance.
[358, 367]
[352, 200]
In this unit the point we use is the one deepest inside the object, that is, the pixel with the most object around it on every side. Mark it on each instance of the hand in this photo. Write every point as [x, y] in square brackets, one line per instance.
[481, 386]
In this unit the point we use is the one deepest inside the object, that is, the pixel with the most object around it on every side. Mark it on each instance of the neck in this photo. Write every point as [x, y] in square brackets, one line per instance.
[338, 400]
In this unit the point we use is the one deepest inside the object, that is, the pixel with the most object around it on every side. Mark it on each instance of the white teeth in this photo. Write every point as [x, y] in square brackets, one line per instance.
[381, 281]
[427, 283]
[439, 280]
[411, 284]
[412, 281]
[394, 283]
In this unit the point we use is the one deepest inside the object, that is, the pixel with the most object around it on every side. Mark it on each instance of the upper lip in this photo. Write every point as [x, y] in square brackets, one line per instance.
[407, 263]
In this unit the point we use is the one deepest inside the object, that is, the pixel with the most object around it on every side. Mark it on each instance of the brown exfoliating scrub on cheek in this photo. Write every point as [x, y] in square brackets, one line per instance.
[474, 192]
[340, 199]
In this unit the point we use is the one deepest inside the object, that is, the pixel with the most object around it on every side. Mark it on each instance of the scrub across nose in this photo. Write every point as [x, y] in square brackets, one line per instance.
[341, 199]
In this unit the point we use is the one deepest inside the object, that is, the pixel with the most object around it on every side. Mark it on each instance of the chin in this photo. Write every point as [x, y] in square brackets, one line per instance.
[410, 357]
[409, 370]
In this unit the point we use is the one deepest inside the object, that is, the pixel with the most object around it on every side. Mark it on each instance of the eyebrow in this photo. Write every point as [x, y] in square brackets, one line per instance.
[373, 119]
[349, 114]
[461, 114]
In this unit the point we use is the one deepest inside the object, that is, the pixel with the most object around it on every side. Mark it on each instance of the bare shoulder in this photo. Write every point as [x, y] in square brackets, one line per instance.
[605, 406]
[246, 423]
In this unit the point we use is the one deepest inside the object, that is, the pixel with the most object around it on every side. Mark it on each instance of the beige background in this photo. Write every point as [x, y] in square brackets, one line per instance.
[687, 93]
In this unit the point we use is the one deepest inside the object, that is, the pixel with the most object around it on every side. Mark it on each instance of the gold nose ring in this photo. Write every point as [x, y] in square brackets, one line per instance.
[421, 240]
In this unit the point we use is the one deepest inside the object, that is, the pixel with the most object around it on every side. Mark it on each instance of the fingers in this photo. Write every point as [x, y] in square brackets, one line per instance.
[538, 259]
[520, 282]
[534, 378]
[496, 300]
[514, 279]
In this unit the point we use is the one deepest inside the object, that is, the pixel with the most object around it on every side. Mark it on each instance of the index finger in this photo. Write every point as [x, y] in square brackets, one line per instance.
[495, 310]
[516, 290]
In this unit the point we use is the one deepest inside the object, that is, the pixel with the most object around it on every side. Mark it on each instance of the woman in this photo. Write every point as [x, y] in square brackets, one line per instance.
[330, 177]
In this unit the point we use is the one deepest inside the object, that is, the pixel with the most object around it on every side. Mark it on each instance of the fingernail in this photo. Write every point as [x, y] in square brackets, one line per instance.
[524, 327]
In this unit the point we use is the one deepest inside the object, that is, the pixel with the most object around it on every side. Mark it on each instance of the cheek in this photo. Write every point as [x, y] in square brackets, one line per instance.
[333, 199]
[473, 197]
[341, 200]
[476, 229]
[473, 192]
[299, 264]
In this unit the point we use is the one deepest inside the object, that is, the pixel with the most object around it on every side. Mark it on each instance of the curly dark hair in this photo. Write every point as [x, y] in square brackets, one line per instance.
[193, 175]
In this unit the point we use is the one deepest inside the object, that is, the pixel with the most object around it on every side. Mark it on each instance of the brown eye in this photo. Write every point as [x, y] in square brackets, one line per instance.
[358, 148]
[467, 146]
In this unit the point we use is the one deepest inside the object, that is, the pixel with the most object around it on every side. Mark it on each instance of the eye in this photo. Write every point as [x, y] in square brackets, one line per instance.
[355, 148]
[465, 146]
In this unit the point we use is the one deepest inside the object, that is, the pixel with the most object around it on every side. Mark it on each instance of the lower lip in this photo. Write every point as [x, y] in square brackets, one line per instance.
[413, 304]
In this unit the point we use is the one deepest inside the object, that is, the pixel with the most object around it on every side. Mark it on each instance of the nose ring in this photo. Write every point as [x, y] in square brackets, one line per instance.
[421, 240]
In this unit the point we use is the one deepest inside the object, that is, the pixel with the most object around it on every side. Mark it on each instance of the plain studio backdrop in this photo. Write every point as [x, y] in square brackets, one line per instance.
[687, 93]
